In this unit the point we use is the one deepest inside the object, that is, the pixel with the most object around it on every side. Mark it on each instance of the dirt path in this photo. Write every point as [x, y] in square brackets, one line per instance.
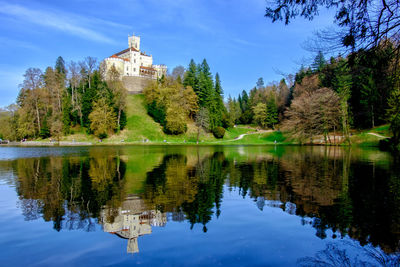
[378, 135]
[243, 135]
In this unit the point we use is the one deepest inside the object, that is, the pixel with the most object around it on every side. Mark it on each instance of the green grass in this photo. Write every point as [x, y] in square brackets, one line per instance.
[140, 126]
[365, 139]
[382, 130]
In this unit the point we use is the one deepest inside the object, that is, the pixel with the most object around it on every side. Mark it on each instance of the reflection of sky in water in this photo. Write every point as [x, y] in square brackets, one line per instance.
[258, 209]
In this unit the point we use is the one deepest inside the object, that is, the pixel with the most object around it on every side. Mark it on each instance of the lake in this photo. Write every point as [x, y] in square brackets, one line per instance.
[194, 206]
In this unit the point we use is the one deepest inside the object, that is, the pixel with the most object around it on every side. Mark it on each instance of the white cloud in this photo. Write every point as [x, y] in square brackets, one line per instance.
[65, 22]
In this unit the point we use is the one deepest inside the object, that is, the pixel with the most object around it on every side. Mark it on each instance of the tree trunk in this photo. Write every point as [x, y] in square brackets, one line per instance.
[37, 114]
[373, 117]
[345, 123]
[119, 119]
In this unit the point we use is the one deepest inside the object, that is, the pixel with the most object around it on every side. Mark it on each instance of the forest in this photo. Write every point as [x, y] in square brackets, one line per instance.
[64, 98]
[359, 91]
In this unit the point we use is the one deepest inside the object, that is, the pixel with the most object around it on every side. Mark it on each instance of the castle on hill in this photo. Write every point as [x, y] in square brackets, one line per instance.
[132, 62]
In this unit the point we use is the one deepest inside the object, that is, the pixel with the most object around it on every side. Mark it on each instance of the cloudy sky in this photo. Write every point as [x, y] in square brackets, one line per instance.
[233, 35]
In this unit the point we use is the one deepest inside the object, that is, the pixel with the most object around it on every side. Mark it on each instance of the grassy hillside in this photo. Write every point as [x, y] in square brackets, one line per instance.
[141, 126]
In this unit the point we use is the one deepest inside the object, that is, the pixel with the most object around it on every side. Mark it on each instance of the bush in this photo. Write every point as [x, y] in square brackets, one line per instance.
[102, 135]
[157, 113]
[218, 132]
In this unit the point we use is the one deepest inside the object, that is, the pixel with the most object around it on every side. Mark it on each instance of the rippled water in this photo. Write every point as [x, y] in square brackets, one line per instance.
[174, 206]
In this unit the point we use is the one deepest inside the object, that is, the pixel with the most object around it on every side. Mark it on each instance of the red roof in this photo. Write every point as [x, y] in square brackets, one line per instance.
[115, 56]
[126, 50]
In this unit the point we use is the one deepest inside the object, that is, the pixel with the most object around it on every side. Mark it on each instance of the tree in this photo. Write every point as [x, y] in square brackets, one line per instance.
[175, 119]
[119, 92]
[56, 126]
[283, 97]
[178, 73]
[363, 23]
[272, 112]
[313, 114]
[319, 62]
[102, 118]
[31, 99]
[9, 122]
[205, 92]
[344, 83]
[189, 101]
[190, 77]
[87, 68]
[260, 114]
[60, 66]
[202, 121]
[394, 115]
[233, 111]
[260, 83]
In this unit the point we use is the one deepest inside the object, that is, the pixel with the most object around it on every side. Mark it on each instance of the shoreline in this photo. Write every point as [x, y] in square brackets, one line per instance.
[223, 143]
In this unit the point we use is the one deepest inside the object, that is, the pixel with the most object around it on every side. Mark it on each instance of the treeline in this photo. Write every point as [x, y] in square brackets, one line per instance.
[175, 100]
[264, 105]
[359, 91]
[64, 97]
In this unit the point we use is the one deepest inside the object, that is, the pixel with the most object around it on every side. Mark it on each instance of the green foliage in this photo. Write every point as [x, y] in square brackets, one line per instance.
[60, 66]
[394, 116]
[45, 130]
[319, 62]
[272, 113]
[190, 77]
[66, 114]
[218, 132]
[260, 114]
[157, 112]
[175, 120]
[103, 119]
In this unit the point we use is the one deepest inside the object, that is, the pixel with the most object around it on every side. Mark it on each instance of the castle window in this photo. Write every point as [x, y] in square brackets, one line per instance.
[134, 69]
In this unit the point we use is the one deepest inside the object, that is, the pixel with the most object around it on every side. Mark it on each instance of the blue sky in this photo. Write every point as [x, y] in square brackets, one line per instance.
[234, 36]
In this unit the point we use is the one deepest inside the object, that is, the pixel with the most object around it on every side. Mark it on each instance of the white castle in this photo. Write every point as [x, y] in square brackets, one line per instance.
[133, 62]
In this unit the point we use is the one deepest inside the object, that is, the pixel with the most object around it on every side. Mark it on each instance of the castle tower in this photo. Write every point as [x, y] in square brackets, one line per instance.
[134, 41]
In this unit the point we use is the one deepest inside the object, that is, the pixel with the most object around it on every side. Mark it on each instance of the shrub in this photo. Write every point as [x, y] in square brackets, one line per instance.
[218, 132]
[102, 135]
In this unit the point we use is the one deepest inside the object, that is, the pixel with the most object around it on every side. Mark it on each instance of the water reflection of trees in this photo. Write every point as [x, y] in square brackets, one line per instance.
[69, 191]
[177, 187]
[336, 255]
[328, 189]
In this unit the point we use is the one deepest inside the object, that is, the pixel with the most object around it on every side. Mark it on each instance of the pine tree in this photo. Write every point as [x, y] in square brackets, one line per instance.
[190, 77]
[60, 66]
[260, 83]
[319, 62]
[272, 113]
[205, 92]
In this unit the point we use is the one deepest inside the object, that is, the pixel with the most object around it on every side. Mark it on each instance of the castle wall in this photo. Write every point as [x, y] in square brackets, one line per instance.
[135, 84]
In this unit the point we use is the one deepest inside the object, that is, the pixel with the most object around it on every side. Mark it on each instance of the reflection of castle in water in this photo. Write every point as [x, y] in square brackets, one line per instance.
[131, 221]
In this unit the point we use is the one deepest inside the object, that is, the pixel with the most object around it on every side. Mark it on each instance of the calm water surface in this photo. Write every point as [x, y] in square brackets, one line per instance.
[183, 206]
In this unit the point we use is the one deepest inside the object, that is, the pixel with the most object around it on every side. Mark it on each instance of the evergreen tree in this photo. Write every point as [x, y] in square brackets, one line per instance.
[206, 88]
[272, 113]
[319, 62]
[190, 77]
[260, 83]
[60, 66]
